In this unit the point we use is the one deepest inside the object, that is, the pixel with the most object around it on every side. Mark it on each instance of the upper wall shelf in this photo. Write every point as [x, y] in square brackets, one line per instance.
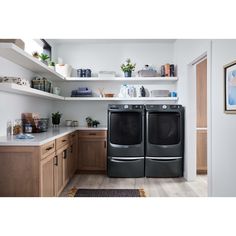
[15, 54]
[120, 79]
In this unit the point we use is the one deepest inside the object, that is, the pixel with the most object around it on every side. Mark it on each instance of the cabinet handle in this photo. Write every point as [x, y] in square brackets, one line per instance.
[56, 162]
[64, 140]
[105, 144]
[71, 151]
[65, 156]
[92, 133]
[49, 148]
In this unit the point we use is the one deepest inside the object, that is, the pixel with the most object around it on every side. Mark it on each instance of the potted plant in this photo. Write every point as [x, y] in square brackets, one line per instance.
[51, 65]
[127, 68]
[35, 54]
[56, 118]
[95, 123]
[44, 58]
[89, 121]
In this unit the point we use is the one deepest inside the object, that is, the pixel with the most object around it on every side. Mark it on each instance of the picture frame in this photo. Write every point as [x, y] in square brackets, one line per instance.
[230, 88]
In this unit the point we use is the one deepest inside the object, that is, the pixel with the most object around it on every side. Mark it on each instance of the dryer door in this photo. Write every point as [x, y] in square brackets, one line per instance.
[164, 128]
[164, 134]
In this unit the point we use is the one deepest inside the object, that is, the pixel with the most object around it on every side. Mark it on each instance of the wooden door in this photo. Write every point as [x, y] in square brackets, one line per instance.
[92, 154]
[202, 151]
[201, 98]
[47, 177]
[58, 173]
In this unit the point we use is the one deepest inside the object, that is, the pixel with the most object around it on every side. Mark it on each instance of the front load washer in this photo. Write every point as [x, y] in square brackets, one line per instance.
[164, 141]
[125, 140]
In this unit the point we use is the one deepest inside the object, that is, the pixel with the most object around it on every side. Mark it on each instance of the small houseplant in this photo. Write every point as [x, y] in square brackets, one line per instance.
[35, 54]
[56, 118]
[51, 65]
[44, 58]
[89, 121]
[95, 123]
[127, 68]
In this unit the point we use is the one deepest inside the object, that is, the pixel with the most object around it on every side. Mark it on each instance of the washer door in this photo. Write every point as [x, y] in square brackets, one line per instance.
[125, 128]
[164, 128]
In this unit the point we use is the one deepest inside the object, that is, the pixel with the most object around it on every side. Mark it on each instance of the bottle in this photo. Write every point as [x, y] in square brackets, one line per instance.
[9, 128]
[167, 70]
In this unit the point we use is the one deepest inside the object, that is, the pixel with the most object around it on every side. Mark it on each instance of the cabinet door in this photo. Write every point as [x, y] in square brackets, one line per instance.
[72, 159]
[66, 165]
[46, 177]
[92, 154]
[58, 173]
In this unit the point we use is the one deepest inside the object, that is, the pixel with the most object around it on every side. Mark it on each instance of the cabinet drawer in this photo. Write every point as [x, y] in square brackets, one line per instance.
[47, 149]
[72, 137]
[60, 142]
[93, 134]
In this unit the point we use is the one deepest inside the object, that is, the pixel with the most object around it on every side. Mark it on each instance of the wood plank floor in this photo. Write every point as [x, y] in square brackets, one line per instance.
[153, 187]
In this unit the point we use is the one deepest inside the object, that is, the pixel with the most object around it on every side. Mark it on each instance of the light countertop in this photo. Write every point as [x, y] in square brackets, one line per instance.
[44, 137]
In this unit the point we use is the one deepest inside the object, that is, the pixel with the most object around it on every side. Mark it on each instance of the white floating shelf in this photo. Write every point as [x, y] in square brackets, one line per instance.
[118, 79]
[18, 56]
[121, 99]
[24, 90]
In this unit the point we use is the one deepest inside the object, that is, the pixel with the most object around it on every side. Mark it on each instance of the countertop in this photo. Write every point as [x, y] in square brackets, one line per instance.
[44, 137]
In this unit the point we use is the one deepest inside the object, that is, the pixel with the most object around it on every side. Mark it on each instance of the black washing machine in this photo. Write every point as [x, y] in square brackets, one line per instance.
[125, 146]
[164, 141]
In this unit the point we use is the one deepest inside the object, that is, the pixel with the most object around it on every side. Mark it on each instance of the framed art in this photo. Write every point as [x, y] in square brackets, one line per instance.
[230, 87]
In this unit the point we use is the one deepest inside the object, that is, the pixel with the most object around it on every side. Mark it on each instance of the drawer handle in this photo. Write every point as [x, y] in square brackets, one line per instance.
[64, 140]
[92, 133]
[49, 148]
[56, 161]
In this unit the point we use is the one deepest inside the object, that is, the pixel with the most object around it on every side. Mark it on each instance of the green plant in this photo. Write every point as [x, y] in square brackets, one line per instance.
[56, 115]
[95, 123]
[128, 67]
[89, 120]
[44, 57]
[51, 63]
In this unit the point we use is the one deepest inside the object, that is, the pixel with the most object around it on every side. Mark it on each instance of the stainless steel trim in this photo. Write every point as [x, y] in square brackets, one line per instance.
[163, 158]
[125, 158]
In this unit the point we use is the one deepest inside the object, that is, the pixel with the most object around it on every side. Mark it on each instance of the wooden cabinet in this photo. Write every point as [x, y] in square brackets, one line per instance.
[92, 151]
[47, 176]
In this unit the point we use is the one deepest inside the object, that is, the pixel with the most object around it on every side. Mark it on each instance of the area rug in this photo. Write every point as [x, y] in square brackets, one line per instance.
[74, 192]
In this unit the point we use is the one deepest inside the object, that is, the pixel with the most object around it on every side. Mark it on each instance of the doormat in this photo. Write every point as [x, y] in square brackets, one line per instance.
[74, 192]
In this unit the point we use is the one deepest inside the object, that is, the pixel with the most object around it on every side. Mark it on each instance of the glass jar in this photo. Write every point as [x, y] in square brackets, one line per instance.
[17, 127]
[28, 128]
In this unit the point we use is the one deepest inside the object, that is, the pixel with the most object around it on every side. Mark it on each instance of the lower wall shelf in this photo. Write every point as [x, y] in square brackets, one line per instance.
[121, 99]
[23, 90]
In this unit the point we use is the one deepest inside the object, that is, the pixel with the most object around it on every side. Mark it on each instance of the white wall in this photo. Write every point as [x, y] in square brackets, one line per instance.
[107, 56]
[12, 105]
[223, 125]
[185, 52]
